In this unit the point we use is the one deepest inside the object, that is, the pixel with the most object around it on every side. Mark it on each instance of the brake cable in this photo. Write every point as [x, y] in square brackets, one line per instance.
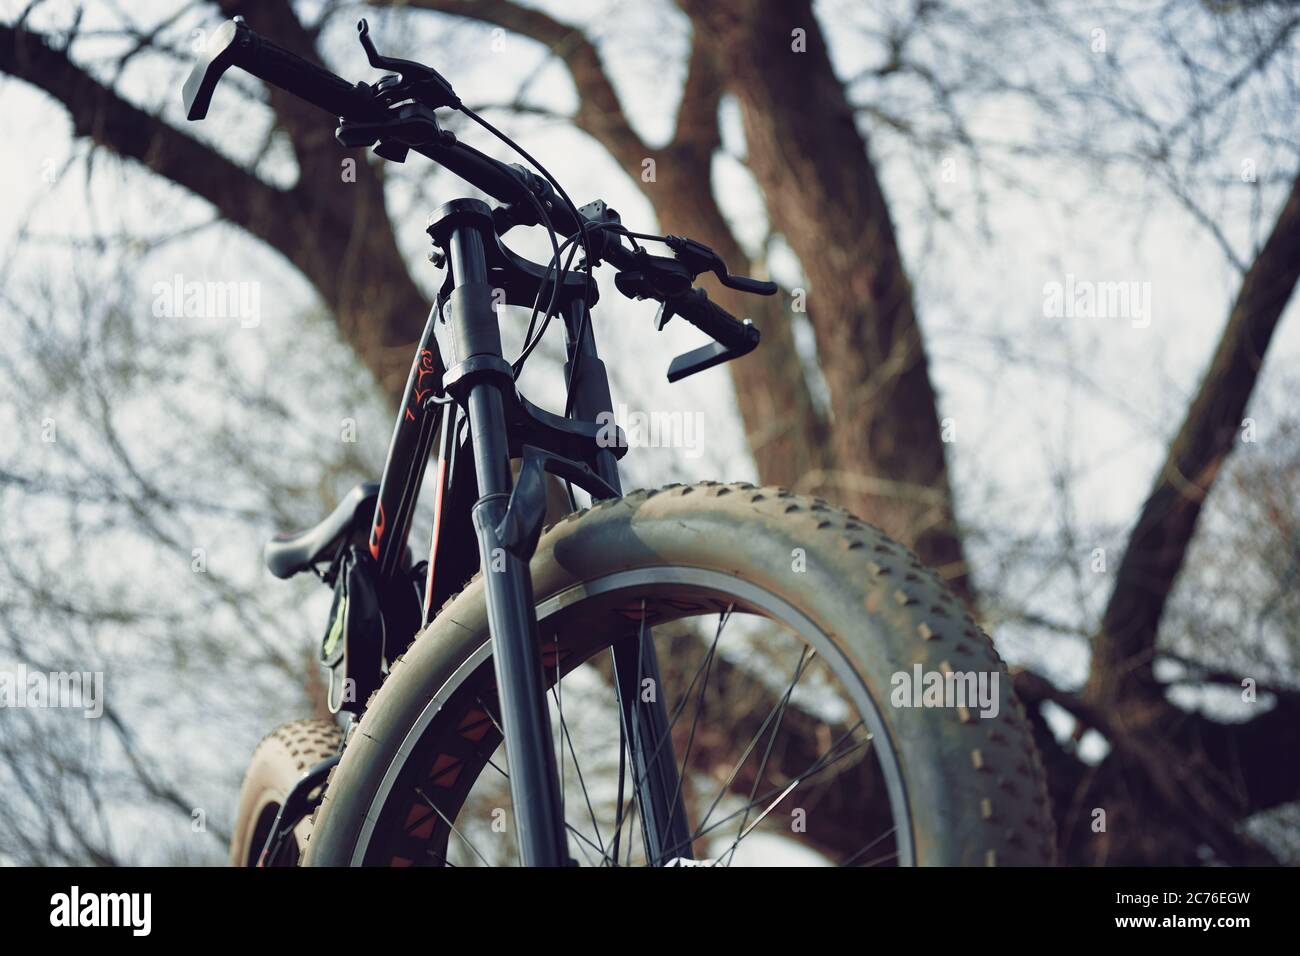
[573, 210]
[531, 341]
[530, 344]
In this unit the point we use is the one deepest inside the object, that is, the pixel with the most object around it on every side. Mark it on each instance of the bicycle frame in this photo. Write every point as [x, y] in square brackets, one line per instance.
[485, 423]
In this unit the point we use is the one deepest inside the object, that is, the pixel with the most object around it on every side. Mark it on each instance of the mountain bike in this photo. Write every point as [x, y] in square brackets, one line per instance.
[704, 674]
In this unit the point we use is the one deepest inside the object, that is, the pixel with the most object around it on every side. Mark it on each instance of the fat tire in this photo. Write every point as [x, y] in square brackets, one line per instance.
[975, 788]
[282, 757]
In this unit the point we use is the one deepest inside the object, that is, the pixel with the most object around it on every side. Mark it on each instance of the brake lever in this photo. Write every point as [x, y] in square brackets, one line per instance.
[420, 82]
[698, 258]
[748, 284]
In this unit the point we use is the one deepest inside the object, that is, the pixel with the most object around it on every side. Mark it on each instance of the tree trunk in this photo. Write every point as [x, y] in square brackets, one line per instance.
[823, 195]
[784, 431]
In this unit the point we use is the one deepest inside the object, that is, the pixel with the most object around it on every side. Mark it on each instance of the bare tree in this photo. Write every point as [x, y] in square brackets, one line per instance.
[1177, 783]
[156, 588]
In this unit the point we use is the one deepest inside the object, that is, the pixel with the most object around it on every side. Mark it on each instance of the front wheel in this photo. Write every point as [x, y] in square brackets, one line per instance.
[831, 703]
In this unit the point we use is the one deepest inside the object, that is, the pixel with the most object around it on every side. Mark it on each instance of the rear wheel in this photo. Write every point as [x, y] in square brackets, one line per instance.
[282, 757]
[784, 628]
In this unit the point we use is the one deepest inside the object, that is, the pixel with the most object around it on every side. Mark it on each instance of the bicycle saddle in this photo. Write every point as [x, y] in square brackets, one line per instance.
[288, 554]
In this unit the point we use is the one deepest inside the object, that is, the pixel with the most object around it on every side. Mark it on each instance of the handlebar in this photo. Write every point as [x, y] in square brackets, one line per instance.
[367, 113]
[235, 44]
[698, 309]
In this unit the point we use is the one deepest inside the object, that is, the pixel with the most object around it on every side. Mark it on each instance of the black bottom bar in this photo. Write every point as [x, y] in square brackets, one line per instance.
[312, 909]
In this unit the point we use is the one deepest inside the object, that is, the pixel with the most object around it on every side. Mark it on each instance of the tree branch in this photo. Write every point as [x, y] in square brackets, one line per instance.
[697, 115]
[108, 120]
[600, 113]
[336, 232]
[1124, 650]
[823, 194]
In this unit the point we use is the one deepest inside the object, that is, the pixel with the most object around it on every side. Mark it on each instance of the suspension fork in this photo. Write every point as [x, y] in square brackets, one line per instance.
[636, 664]
[476, 379]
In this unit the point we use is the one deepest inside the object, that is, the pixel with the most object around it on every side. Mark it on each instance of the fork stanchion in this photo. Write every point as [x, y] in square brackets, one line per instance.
[477, 381]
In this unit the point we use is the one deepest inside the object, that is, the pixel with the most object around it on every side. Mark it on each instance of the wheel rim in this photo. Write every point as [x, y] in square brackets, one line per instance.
[666, 596]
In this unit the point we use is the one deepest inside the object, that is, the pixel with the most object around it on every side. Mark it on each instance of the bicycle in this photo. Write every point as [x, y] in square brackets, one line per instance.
[448, 677]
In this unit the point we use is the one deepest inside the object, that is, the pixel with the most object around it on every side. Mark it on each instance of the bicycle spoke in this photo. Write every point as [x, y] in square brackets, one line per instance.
[699, 701]
[495, 723]
[822, 763]
[558, 695]
[851, 860]
[772, 806]
[677, 712]
[625, 738]
[636, 722]
[492, 763]
[778, 707]
[618, 799]
[452, 826]
[787, 745]
[771, 742]
[581, 836]
[812, 771]
[500, 730]
[564, 732]
[645, 849]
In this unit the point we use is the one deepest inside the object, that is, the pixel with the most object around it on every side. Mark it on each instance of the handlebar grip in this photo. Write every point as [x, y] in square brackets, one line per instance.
[716, 322]
[731, 338]
[304, 79]
[235, 44]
